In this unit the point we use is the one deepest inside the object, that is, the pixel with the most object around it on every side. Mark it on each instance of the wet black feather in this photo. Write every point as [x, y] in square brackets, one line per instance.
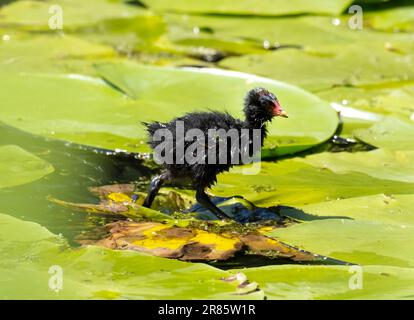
[200, 175]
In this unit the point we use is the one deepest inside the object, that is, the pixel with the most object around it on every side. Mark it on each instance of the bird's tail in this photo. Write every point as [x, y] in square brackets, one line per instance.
[152, 127]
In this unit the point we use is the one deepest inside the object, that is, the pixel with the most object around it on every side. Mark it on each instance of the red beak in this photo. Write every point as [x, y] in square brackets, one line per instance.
[278, 111]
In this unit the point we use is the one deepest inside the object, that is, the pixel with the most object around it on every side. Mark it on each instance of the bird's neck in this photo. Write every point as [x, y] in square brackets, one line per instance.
[256, 118]
[255, 122]
[257, 125]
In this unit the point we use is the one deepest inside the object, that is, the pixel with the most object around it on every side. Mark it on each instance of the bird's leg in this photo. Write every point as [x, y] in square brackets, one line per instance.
[206, 202]
[154, 187]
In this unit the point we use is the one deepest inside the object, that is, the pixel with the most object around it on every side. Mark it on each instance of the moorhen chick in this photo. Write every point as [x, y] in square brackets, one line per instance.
[200, 171]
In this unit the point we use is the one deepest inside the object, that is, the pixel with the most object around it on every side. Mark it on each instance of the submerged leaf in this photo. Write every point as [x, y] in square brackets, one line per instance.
[18, 166]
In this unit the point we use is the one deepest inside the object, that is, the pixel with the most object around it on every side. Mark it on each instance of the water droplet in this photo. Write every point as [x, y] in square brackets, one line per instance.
[6, 37]
[336, 22]
[196, 30]
[266, 44]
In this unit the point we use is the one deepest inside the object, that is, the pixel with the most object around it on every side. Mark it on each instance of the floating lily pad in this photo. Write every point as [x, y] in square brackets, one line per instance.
[333, 282]
[315, 71]
[158, 89]
[124, 27]
[18, 166]
[394, 19]
[250, 7]
[392, 209]
[398, 100]
[301, 31]
[381, 164]
[35, 15]
[60, 53]
[103, 118]
[319, 178]
[362, 242]
[391, 133]
[28, 252]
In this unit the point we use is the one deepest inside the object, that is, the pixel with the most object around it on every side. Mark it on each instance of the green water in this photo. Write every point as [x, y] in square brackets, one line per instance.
[76, 169]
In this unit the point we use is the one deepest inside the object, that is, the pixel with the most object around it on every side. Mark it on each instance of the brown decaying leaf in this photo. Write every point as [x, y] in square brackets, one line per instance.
[153, 232]
[192, 244]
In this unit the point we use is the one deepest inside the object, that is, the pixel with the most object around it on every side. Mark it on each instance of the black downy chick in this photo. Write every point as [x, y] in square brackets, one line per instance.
[260, 106]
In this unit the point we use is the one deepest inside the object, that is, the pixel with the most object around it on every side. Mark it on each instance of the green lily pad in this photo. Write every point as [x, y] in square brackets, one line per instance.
[381, 164]
[158, 89]
[398, 101]
[392, 209]
[34, 15]
[350, 124]
[52, 47]
[69, 107]
[28, 251]
[391, 133]
[143, 33]
[124, 27]
[60, 53]
[394, 19]
[356, 241]
[321, 177]
[18, 166]
[314, 70]
[333, 282]
[303, 31]
[251, 7]
[102, 117]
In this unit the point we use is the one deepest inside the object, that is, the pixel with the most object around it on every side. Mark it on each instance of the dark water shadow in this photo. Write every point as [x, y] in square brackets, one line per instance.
[241, 260]
[298, 214]
[76, 169]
